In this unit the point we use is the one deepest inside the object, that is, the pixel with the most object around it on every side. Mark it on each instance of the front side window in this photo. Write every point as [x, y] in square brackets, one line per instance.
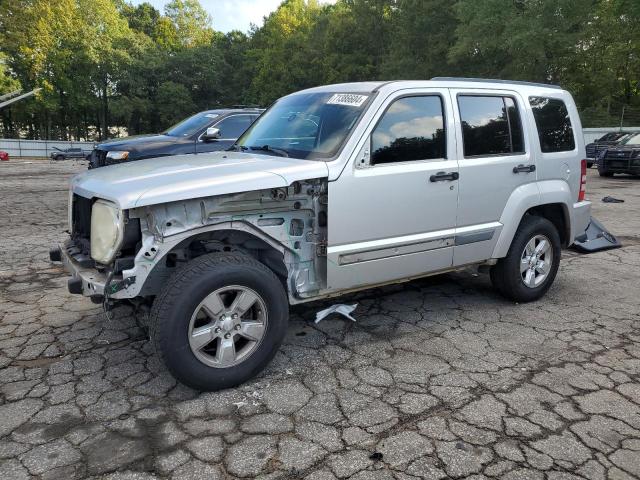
[192, 125]
[305, 125]
[611, 137]
[491, 125]
[232, 127]
[554, 125]
[412, 128]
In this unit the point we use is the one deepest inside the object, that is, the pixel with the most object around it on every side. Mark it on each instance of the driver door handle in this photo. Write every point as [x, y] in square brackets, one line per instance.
[524, 168]
[442, 176]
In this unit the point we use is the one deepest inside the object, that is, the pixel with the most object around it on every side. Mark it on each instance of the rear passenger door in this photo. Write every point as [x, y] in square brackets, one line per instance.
[495, 159]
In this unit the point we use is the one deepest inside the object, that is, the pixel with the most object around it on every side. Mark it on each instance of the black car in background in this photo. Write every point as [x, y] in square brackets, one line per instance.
[621, 158]
[608, 139]
[207, 131]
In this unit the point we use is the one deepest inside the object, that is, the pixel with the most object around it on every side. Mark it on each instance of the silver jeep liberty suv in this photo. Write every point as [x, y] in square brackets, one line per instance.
[333, 189]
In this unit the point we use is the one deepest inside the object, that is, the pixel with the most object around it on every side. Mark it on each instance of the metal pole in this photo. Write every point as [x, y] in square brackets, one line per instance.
[622, 117]
[24, 95]
[9, 95]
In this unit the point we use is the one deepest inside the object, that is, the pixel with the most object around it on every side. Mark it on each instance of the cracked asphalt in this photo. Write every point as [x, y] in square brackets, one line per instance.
[438, 378]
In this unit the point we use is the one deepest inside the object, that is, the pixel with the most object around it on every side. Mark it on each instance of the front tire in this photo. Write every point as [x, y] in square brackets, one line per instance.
[59, 157]
[219, 320]
[531, 264]
[605, 173]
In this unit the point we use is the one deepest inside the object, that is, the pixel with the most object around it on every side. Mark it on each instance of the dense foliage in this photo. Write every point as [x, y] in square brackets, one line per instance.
[106, 65]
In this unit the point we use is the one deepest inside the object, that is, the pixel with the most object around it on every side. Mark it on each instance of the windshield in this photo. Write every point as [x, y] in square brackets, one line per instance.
[611, 137]
[306, 125]
[632, 140]
[191, 125]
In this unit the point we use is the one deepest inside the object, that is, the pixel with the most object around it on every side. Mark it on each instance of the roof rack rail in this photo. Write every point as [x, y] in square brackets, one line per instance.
[491, 80]
[245, 106]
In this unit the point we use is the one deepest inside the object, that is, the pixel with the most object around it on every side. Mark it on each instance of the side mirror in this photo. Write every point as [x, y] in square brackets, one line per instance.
[211, 134]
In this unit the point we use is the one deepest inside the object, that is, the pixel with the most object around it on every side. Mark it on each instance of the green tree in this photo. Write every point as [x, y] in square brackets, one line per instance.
[523, 39]
[279, 52]
[421, 36]
[191, 21]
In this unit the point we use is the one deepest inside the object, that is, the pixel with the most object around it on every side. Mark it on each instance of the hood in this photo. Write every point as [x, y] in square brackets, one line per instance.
[180, 177]
[137, 142]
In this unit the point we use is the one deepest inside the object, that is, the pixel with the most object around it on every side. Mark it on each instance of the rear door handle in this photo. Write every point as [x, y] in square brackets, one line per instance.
[524, 168]
[442, 176]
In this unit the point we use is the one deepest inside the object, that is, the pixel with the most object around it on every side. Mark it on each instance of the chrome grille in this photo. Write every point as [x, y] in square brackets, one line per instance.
[618, 154]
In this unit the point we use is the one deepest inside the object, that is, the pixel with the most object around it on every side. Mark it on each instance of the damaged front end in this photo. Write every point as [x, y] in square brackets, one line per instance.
[89, 277]
[284, 228]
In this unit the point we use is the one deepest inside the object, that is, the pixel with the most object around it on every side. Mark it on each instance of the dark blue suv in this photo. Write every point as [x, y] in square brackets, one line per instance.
[207, 131]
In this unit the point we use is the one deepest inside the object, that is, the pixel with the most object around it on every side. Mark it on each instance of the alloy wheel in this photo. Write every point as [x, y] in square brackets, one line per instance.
[227, 326]
[536, 261]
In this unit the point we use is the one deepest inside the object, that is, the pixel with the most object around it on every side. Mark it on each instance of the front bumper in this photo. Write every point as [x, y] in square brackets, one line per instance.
[619, 165]
[84, 280]
[87, 280]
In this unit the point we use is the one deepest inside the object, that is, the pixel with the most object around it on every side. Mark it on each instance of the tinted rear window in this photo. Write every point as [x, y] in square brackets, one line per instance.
[490, 125]
[554, 125]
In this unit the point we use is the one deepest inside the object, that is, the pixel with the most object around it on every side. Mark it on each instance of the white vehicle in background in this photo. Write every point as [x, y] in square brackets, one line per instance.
[333, 189]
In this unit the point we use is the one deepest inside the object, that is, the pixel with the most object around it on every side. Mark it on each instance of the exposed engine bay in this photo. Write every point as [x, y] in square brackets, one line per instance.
[285, 228]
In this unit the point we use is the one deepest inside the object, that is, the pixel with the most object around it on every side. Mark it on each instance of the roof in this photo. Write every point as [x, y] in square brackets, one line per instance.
[345, 87]
[492, 80]
[368, 87]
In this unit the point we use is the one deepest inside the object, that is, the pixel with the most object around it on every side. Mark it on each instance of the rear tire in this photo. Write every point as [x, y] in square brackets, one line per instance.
[589, 164]
[219, 320]
[531, 264]
[59, 157]
[604, 173]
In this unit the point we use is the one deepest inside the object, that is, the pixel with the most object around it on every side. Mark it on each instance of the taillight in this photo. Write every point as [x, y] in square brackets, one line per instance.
[583, 180]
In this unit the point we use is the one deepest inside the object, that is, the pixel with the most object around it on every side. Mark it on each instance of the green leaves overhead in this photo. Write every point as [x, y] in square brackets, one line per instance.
[108, 66]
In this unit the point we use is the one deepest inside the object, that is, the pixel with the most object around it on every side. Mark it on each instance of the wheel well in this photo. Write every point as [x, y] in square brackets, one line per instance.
[236, 240]
[556, 213]
[211, 242]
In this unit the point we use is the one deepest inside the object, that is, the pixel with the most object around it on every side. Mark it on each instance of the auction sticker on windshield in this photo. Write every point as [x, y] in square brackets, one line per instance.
[349, 99]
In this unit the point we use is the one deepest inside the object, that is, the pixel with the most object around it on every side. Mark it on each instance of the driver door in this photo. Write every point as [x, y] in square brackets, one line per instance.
[392, 212]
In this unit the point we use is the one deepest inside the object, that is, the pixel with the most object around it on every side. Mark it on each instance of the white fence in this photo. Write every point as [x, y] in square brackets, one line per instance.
[38, 148]
[592, 134]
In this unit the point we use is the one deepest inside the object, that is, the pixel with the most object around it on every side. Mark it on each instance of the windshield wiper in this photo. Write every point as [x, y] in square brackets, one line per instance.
[266, 148]
[237, 148]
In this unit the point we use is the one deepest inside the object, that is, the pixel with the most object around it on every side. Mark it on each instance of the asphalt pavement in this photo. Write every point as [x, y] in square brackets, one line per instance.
[438, 378]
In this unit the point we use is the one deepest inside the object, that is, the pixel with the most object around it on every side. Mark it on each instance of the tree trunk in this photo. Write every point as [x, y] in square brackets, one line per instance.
[98, 125]
[105, 108]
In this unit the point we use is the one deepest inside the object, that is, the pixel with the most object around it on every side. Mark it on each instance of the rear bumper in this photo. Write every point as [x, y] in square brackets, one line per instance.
[581, 216]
